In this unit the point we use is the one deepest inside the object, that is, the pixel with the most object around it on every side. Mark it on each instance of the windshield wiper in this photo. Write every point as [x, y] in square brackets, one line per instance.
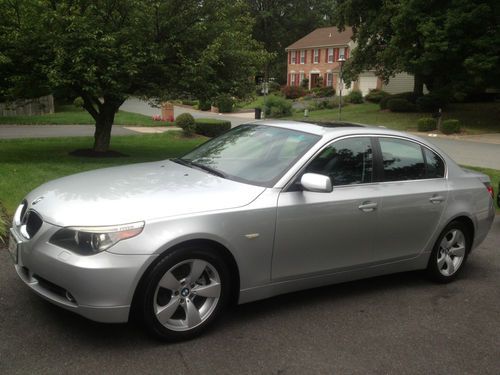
[200, 166]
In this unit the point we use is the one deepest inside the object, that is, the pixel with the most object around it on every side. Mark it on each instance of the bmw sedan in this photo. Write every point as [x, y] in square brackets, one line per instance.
[266, 208]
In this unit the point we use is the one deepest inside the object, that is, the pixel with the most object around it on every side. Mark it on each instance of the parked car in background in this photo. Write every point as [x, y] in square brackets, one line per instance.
[266, 208]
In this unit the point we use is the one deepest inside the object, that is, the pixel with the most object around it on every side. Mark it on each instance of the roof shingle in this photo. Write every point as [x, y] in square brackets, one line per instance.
[322, 37]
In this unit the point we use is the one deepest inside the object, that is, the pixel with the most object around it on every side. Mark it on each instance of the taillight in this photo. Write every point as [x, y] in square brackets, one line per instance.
[490, 189]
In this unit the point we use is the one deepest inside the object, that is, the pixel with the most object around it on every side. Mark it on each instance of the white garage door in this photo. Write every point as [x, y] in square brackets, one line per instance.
[367, 83]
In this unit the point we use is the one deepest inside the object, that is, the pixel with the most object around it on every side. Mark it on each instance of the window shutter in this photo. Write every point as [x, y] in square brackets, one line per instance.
[296, 79]
[326, 55]
[312, 55]
[324, 79]
[289, 79]
[336, 54]
[305, 57]
[346, 53]
[289, 57]
[319, 55]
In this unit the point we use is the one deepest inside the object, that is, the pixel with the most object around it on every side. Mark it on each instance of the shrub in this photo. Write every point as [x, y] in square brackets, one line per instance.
[189, 102]
[355, 97]
[430, 103]
[186, 122]
[276, 106]
[450, 126]
[305, 83]
[204, 105]
[225, 103]
[78, 102]
[292, 92]
[410, 96]
[274, 87]
[376, 95]
[384, 100]
[211, 127]
[400, 105]
[427, 124]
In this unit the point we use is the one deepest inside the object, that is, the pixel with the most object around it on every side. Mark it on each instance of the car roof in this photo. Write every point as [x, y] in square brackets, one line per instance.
[332, 129]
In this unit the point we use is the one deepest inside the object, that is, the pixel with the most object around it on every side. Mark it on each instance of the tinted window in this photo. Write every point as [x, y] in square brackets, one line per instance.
[403, 160]
[434, 164]
[349, 161]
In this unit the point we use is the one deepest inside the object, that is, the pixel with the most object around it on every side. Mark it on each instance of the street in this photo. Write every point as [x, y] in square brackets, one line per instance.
[400, 324]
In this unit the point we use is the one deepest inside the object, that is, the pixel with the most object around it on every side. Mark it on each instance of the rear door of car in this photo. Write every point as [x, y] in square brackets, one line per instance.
[413, 195]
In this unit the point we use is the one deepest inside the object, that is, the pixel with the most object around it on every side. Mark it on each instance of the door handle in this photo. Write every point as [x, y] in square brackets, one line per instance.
[368, 206]
[436, 199]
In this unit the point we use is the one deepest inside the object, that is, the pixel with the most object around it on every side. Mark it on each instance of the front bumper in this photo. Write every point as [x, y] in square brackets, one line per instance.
[99, 287]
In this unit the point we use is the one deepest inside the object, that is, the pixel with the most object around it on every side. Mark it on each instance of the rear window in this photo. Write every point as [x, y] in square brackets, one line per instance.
[402, 160]
[434, 164]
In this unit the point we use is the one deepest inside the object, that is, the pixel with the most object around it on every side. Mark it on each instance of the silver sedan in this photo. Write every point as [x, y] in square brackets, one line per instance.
[264, 209]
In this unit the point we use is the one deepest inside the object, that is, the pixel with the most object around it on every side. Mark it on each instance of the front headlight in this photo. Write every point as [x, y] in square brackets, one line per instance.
[91, 240]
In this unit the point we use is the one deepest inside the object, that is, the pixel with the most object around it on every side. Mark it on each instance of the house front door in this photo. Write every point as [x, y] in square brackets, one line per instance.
[314, 80]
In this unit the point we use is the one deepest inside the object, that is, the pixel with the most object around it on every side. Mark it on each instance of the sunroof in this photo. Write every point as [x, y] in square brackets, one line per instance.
[334, 124]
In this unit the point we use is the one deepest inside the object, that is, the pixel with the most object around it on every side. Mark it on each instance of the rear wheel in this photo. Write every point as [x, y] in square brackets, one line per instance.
[184, 293]
[450, 253]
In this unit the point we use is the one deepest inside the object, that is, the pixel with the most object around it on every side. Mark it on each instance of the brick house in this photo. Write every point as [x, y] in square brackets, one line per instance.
[315, 57]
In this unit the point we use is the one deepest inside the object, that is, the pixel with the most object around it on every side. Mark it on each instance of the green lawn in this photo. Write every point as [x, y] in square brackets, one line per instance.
[71, 115]
[476, 118]
[254, 103]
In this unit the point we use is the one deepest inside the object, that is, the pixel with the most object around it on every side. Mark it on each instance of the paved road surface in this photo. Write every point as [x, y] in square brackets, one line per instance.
[399, 324]
[53, 131]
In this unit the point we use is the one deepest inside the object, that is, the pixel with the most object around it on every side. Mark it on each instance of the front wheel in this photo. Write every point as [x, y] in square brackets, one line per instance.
[450, 253]
[184, 293]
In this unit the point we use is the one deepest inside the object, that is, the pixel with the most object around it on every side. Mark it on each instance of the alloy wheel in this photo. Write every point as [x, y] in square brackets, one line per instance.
[187, 295]
[451, 252]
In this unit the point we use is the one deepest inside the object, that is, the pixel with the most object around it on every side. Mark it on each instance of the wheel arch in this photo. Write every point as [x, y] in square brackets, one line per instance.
[222, 250]
[468, 223]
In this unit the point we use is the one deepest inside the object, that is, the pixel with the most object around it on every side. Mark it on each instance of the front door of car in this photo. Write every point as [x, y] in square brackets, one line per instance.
[413, 195]
[319, 232]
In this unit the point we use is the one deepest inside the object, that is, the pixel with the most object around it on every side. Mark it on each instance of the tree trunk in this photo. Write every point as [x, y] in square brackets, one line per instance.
[103, 124]
[418, 85]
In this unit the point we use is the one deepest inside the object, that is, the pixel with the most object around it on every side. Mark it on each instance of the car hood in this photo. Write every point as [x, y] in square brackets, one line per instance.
[136, 192]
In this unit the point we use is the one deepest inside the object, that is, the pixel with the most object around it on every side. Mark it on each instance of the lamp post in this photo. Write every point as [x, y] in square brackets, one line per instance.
[341, 60]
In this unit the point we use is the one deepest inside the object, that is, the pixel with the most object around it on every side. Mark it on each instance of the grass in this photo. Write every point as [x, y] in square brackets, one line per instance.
[254, 103]
[71, 115]
[476, 118]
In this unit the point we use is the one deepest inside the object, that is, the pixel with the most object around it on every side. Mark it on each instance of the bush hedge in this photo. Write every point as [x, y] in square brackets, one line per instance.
[211, 127]
[225, 103]
[376, 95]
[186, 122]
[450, 126]
[204, 105]
[430, 103]
[355, 97]
[400, 105]
[427, 124]
[293, 92]
[276, 106]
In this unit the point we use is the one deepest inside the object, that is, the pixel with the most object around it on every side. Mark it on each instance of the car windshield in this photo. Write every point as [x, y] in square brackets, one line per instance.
[255, 154]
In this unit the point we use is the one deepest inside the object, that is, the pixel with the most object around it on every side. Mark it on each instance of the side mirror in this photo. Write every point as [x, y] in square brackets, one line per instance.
[316, 182]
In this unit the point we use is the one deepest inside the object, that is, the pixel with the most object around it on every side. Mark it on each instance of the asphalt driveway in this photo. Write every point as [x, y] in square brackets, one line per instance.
[399, 324]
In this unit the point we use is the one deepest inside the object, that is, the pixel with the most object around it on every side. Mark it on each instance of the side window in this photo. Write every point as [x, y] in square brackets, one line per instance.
[348, 161]
[434, 164]
[402, 160]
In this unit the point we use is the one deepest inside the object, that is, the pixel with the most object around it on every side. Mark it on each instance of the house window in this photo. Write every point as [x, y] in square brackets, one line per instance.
[316, 56]
[294, 57]
[329, 79]
[330, 55]
[302, 56]
[292, 79]
[301, 78]
[342, 53]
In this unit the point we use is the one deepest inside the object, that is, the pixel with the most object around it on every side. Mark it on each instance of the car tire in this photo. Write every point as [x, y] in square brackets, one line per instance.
[184, 293]
[450, 253]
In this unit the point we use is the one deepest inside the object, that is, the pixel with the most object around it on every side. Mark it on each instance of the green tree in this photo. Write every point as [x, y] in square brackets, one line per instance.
[446, 44]
[279, 23]
[106, 50]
